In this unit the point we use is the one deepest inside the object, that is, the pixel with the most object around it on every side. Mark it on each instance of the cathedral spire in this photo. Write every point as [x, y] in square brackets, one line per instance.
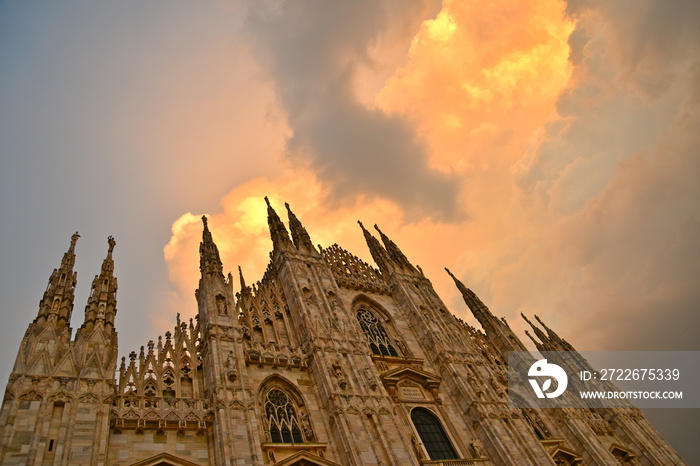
[375, 248]
[300, 236]
[245, 289]
[241, 279]
[209, 260]
[555, 339]
[394, 252]
[478, 308]
[60, 291]
[538, 331]
[538, 345]
[278, 232]
[108, 263]
[69, 257]
[497, 330]
[102, 303]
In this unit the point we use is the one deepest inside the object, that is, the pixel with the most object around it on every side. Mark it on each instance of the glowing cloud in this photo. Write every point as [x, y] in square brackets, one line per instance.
[241, 231]
[560, 141]
[354, 149]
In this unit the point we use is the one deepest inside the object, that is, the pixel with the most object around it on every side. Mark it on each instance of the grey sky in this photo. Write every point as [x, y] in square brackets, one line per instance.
[116, 118]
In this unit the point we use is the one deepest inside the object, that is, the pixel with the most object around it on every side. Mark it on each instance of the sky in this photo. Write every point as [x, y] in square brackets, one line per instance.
[546, 152]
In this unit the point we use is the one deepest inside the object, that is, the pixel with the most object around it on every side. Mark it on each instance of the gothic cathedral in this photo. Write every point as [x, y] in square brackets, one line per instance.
[326, 360]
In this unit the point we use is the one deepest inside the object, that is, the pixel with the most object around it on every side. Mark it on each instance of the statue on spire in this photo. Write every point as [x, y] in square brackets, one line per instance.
[209, 259]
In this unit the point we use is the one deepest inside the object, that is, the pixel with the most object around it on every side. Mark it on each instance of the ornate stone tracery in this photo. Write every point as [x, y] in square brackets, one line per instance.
[281, 415]
[161, 384]
[286, 419]
[354, 273]
[326, 360]
[263, 313]
[377, 337]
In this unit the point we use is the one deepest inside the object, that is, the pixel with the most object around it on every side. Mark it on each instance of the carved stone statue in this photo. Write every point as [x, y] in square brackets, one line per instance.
[306, 426]
[221, 306]
[417, 448]
[403, 348]
[371, 380]
[340, 374]
[475, 444]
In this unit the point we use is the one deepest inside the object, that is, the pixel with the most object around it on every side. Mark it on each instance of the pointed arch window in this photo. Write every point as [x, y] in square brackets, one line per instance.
[433, 436]
[283, 422]
[379, 341]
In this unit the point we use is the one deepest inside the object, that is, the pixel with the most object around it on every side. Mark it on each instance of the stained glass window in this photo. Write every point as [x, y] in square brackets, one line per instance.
[379, 341]
[282, 418]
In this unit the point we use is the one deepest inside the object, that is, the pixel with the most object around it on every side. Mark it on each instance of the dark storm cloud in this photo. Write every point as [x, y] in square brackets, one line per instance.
[314, 51]
[649, 39]
[619, 173]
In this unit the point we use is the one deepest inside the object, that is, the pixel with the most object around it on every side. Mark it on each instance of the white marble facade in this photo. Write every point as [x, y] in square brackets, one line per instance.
[327, 360]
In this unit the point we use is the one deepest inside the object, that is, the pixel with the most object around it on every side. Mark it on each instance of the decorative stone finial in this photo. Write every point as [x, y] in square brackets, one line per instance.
[240, 277]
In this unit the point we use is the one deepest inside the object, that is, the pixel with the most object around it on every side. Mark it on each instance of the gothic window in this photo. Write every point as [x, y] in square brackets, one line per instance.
[433, 436]
[379, 341]
[282, 419]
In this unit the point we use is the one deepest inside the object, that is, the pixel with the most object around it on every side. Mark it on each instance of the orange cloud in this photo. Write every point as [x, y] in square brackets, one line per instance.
[241, 233]
[242, 236]
[551, 214]
[480, 78]
[477, 83]
[574, 157]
